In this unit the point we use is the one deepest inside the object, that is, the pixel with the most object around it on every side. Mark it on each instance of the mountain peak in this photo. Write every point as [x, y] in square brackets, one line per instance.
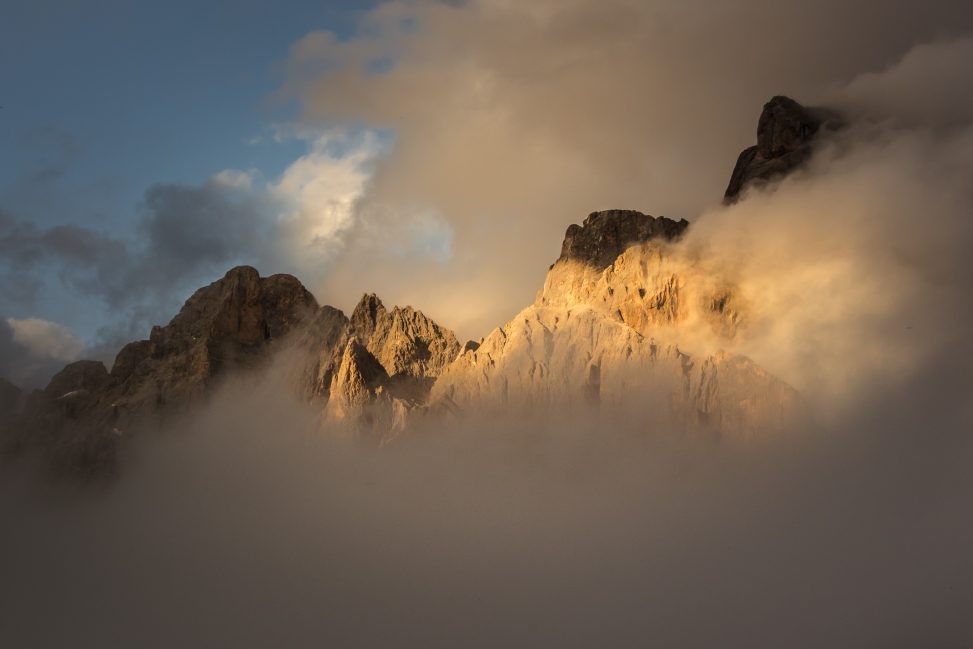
[367, 313]
[605, 235]
[79, 375]
[785, 132]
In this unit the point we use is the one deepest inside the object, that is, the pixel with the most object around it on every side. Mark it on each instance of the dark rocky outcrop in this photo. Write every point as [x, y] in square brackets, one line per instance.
[232, 323]
[605, 235]
[785, 133]
[237, 323]
[10, 397]
[227, 325]
[80, 376]
[11, 403]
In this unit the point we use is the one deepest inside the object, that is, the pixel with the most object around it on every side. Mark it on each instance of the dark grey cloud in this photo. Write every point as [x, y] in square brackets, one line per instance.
[186, 236]
[193, 225]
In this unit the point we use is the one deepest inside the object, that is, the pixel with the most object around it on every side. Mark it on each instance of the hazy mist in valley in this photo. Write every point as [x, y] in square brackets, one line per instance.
[253, 521]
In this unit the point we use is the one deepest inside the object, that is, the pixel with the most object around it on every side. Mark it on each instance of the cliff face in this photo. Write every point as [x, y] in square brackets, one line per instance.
[369, 371]
[623, 307]
[366, 371]
[231, 324]
[609, 336]
[227, 325]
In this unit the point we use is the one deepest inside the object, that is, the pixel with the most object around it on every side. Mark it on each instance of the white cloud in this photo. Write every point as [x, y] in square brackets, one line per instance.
[319, 189]
[45, 339]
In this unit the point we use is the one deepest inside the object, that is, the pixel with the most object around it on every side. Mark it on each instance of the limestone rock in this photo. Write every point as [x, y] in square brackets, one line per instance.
[130, 358]
[563, 359]
[87, 376]
[608, 336]
[410, 346]
[369, 373]
[785, 133]
[230, 324]
[359, 378]
[605, 235]
[317, 352]
[653, 287]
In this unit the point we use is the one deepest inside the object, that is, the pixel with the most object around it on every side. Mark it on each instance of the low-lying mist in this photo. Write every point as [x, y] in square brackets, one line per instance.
[247, 525]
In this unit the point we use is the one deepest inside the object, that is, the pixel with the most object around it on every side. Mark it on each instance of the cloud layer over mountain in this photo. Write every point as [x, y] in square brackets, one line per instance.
[478, 131]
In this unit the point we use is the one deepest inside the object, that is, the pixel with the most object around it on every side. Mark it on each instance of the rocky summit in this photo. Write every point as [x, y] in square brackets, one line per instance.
[605, 235]
[786, 131]
[625, 316]
[620, 337]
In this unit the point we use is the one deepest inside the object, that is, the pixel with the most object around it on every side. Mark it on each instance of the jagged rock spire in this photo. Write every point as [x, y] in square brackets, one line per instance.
[785, 132]
[356, 382]
[367, 314]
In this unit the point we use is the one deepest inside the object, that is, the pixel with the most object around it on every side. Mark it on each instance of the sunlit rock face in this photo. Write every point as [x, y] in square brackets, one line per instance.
[357, 382]
[651, 287]
[608, 335]
[411, 349]
[410, 346]
[369, 373]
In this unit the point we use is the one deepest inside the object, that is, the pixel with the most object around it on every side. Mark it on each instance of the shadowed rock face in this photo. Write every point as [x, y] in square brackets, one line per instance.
[785, 133]
[87, 376]
[11, 398]
[229, 324]
[605, 235]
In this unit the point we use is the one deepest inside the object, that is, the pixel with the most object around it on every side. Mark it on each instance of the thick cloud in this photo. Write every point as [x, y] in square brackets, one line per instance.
[246, 525]
[513, 120]
[185, 234]
[855, 270]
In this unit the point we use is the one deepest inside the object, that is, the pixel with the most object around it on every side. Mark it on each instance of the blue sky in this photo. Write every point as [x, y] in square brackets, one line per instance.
[104, 100]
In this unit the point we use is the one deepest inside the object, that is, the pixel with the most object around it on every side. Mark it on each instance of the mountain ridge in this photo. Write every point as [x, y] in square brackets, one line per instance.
[603, 330]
